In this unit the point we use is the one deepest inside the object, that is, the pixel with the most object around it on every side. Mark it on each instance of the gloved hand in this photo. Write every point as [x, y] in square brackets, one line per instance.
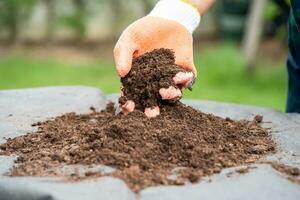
[169, 25]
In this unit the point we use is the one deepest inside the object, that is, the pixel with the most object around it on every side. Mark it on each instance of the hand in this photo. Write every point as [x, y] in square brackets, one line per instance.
[151, 33]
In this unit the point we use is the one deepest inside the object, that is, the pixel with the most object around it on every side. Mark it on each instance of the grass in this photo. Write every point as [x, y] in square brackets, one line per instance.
[221, 77]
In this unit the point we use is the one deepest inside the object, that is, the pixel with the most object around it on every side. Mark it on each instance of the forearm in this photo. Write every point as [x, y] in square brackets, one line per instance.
[201, 5]
[186, 12]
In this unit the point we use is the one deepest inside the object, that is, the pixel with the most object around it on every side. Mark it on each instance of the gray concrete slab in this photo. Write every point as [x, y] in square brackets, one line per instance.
[45, 188]
[20, 108]
[260, 184]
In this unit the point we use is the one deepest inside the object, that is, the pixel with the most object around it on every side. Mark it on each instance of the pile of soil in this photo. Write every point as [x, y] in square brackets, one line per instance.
[145, 152]
[149, 73]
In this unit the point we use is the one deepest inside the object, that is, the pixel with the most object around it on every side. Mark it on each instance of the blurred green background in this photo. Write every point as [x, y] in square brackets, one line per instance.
[50, 43]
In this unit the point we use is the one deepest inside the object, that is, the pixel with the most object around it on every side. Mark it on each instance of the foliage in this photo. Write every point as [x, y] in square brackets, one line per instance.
[12, 13]
[76, 21]
[221, 77]
[276, 17]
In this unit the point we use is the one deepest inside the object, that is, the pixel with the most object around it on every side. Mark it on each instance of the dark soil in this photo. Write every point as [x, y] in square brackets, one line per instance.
[148, 74]
[143, 151]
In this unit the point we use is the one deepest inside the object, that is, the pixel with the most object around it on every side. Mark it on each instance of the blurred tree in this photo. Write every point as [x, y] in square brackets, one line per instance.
[80, 18]
[116, 8]
[50, 20]
[232, 16]
[77, 20]
[12, 13]
[276, 16]
[147, 6]
[253, 32]
[120, 9]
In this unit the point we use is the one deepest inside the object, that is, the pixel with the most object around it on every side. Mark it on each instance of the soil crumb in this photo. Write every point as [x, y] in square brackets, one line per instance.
[292, 173]
[288, 170]
[258, 118]
[181, 144]
[149, 73]
[242, 170]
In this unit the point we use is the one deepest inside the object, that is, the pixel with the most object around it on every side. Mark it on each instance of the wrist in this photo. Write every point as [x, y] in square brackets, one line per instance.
[201, 5]
[177, 10]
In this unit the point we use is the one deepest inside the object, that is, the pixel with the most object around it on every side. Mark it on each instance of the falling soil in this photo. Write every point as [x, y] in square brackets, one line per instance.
[144, 152]
[149, 73]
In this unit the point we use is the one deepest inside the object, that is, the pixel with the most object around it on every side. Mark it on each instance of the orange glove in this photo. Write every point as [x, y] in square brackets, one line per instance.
[149, 33]
[169, 25]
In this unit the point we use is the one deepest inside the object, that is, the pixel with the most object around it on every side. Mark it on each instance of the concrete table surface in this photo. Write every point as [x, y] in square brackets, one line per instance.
[21, 108]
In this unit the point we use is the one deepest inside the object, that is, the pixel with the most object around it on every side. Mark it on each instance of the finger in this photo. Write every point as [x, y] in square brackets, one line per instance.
[184, 55]
[183, 78]
[123, 54]
[152, 112]
[188, 65]
[170, 93]
[128, 107]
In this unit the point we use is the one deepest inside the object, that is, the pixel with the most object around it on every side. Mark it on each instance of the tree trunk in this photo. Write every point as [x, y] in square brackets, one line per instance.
[80, 6]
[253, 32]
[50, 17]
[116, 8]
[117, 12]
[147, 6]
[12, 24]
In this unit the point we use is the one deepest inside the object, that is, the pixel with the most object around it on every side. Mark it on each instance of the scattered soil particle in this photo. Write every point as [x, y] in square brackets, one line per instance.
[294, 179]
[145, 152]
[258, 118]
[288, 170]
[242, 170]
[292, 173]
[92, 108]
[149, 73]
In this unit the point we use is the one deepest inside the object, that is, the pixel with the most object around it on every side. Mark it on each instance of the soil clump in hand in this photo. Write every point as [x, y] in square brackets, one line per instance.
[143, 151]
[149, 73]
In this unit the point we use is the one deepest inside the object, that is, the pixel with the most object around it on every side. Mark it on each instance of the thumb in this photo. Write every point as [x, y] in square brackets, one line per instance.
[123, 54]
[193, 68]
[184, 57]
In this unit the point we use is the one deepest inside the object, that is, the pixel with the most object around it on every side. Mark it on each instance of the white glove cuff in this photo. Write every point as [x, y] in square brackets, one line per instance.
[179, 11]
